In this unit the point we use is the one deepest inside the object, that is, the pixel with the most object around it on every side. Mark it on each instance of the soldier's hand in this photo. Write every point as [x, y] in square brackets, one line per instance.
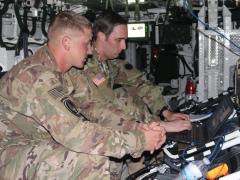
[172, 116]
[154, 138]
[150, 126]
[143, 126]
[156, 126]
[176, 126]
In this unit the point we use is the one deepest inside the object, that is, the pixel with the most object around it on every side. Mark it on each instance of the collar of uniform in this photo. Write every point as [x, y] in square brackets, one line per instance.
[96, 58]
[51, 59]
[96, 54]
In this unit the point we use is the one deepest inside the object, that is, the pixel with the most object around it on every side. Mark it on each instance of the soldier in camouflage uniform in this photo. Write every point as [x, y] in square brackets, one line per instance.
[136, 96]
[44, 132]
[117, 82]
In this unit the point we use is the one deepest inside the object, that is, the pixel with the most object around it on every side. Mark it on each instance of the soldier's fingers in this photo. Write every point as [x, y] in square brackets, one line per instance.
[181, 116]
[188, 125]
[161, 142]
[143, 126]
[157, 127]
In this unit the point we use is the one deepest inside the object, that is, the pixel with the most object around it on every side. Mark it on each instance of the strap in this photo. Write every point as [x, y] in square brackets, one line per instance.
[111, 4]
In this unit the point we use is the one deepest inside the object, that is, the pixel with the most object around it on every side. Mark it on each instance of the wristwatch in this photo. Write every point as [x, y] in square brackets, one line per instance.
[161, 112]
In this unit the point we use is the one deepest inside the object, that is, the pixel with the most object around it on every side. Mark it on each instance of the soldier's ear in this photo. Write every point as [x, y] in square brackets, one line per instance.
[66, 42]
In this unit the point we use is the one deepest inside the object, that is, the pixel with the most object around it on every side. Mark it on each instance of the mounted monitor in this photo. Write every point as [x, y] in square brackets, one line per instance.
[134, 1]
[137, 31]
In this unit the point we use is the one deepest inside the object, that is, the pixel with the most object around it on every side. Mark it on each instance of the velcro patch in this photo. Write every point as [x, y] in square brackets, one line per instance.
[99, 79]
[58, 92]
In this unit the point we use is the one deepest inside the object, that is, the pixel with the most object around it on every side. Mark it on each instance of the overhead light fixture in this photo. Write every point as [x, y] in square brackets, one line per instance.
[134, 1]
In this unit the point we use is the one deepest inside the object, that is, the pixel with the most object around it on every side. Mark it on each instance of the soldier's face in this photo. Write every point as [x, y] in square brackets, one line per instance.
[81, 48]
[115, 42]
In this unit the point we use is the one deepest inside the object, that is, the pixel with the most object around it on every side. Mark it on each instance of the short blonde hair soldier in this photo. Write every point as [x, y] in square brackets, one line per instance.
[45, 129]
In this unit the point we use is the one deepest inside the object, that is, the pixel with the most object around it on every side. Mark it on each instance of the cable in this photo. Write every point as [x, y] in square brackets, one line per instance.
[195, 51]
[214, 153]
[139, 172]
[30, 51]
[45, 12]
[171, 165]
[161, 35]
[44, 18]
[35, 43]
[152, 169]
[186, 5]
[3, 11]
[18, 16]
[25, 19]
[111, 4]
[185, 64]
[37, 3]
[185, 152]
[5, 7]
[227, 157]
[24, 32]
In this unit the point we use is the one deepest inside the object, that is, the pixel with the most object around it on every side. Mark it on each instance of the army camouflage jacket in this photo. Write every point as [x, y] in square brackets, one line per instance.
[99, 105]
[38, 102]
[125, 86]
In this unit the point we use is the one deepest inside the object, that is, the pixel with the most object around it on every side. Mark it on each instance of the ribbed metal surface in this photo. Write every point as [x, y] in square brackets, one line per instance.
[117, 4]
[236, 39]
[217, 57]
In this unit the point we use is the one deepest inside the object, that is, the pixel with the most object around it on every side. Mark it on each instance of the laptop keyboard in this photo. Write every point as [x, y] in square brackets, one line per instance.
[202, 131]
[197, 134]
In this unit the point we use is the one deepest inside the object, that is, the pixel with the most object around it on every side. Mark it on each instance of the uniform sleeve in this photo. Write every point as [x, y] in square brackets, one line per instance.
[96, 108]
[134, 82]
[47, 108]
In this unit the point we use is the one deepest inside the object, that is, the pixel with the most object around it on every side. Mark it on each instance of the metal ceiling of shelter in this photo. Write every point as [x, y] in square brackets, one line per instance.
[118, 5]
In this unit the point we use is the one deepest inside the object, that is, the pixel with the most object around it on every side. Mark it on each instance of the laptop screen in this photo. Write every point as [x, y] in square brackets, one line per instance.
[220, 115]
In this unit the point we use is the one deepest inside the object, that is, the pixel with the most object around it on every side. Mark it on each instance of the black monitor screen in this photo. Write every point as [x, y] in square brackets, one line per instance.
[220, 115]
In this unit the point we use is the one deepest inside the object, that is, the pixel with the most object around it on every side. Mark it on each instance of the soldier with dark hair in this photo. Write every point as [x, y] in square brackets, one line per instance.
[120, 83]
[45, 130]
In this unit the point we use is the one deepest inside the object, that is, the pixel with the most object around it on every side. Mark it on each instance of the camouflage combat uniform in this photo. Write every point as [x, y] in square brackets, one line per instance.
[126, 87]
[133, 83]
[134, 96]
[44, 132]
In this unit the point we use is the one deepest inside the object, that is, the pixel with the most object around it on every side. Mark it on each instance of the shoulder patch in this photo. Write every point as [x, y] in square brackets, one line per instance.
[60, 95]
[70, 106]
[57, 92]
[128, 66]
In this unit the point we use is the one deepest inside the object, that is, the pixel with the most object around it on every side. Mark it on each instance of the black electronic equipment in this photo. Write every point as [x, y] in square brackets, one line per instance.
[204, 131]
[204, 107]
[175, 33]
[165, 64]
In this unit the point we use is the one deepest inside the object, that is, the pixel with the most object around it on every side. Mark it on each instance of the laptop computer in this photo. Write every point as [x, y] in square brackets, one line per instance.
[205, 130]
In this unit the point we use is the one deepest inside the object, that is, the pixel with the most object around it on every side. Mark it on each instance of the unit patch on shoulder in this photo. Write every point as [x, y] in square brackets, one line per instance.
[60, 95]
[70, 106]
